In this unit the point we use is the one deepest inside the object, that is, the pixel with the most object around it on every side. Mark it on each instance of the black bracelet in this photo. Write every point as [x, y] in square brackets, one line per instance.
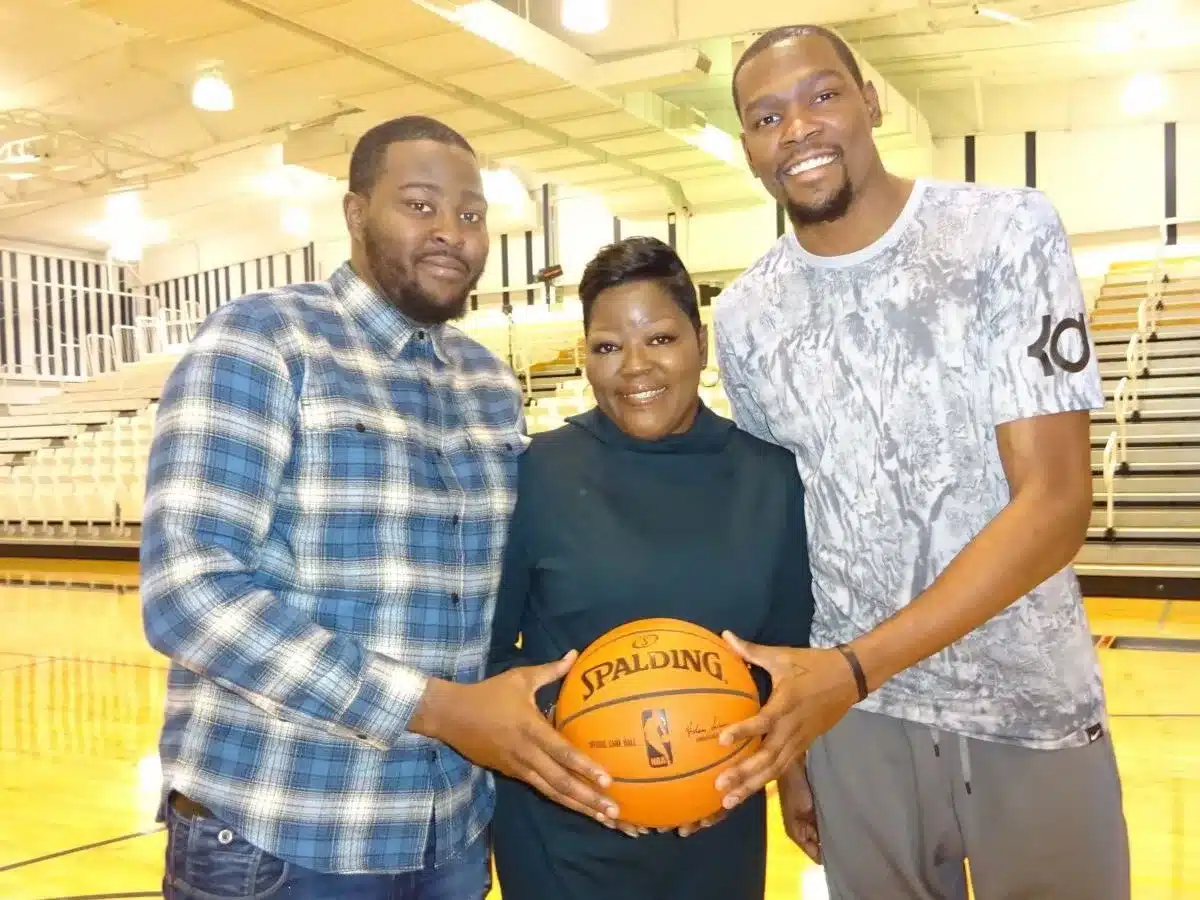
[860, 677]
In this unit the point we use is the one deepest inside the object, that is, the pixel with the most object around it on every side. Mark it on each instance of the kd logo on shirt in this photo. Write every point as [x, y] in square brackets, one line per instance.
[1052, 340]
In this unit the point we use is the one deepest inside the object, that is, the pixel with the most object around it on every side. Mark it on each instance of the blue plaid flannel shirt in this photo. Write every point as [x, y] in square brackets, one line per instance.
[327, 502]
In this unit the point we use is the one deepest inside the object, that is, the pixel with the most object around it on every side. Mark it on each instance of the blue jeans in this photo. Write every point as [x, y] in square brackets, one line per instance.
[206, 860]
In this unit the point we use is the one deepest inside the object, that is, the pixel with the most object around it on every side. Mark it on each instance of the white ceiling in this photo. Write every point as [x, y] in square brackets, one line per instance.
[104, 87]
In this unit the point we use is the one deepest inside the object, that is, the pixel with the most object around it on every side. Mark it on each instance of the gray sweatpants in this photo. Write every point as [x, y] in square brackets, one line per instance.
[900, 806]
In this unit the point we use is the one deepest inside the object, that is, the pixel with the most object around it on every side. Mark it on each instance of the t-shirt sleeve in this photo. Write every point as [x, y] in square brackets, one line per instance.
[1042, 358]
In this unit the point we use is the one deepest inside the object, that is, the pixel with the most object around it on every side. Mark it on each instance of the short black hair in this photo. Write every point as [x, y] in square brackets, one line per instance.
[786, 32]
[371, 147]
[638, 259]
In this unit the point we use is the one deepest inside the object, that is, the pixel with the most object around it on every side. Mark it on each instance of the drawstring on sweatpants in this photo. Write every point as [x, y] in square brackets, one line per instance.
[964, 755]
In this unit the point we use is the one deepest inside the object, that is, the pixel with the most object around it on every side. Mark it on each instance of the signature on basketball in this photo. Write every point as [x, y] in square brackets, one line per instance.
[700, 733]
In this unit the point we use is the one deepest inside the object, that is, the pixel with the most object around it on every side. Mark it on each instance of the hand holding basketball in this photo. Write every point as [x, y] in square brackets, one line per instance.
[811, 690]
[648, 700]
[707, 822]
[496, 724]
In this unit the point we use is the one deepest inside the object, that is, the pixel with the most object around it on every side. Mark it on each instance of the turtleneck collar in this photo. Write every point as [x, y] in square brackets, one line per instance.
[709, 434]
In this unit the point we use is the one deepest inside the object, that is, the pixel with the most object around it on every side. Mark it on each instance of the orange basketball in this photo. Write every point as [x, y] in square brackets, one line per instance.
[648, 702]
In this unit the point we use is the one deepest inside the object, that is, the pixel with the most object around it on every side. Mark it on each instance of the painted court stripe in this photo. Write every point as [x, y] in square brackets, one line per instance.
[1160, 644]
[82, 847]
[107, 896]
[24, 665]
[87, 660]
[1184, 715]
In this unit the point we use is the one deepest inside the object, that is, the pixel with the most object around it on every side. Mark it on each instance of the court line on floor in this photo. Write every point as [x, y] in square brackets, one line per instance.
[107, 896]
[20, 864]
[24, 665]
[1154, 715]
[41, 657]
[99, 587]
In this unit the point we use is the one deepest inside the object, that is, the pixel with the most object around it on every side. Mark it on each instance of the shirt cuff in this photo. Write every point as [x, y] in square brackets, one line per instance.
[391, 692]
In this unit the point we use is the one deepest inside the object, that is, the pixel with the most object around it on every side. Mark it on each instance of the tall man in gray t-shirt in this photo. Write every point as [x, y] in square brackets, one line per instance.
[922, 348]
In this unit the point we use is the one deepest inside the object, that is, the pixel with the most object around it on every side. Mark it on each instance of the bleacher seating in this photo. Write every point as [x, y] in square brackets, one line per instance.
[1146, 442]
[73, 466]
[73, 456]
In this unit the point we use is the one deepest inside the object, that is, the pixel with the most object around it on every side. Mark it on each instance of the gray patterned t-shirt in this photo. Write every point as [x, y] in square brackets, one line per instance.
[886, 372]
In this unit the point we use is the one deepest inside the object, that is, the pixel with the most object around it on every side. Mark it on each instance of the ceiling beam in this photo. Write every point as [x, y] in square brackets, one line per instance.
[465, 97]
[647, 25]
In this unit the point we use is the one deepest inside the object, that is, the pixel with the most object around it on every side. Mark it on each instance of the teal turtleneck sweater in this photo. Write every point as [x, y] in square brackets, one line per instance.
[706, 526]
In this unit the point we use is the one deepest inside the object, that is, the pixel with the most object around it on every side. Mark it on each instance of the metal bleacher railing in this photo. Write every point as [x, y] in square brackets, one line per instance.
[77, 416]
[74, 444]
[73, 453]
[1126, 401]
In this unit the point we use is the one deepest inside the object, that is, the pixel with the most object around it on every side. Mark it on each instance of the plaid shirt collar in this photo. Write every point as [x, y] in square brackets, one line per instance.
[388, 328]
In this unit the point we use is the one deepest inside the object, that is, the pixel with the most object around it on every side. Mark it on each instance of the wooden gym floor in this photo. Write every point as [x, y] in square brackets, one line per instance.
[81, 697]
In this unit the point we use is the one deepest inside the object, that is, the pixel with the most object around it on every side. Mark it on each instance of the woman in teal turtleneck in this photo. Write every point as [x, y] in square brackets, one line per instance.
[648, 505]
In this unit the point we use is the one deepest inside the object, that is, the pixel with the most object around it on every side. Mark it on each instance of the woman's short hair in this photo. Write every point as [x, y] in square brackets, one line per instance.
[638, 259]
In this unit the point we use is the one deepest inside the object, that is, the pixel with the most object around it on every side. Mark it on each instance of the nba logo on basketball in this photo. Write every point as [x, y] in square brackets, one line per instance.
[658, 738]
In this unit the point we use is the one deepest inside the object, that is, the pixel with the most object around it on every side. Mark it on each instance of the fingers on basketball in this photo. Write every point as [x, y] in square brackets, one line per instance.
[542, 786]
[750, 776]
[777, 752]
[706, 822]
[745, 649]
[782, 748]
[758, 725]
[560, 750]
[548, 673]
[771, 659]
[563, 783]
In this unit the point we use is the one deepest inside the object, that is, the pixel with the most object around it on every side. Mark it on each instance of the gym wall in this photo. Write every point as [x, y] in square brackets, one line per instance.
[1112, 186]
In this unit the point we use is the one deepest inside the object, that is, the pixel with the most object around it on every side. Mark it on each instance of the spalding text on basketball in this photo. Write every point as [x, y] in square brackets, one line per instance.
[605, 673]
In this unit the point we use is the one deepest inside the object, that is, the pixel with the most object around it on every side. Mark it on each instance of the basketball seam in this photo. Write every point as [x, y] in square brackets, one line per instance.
[704, 768]
[675, 692]
[708, 638]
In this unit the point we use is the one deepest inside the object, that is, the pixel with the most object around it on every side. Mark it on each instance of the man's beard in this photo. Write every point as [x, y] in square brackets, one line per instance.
[402, 290]
[829, 210]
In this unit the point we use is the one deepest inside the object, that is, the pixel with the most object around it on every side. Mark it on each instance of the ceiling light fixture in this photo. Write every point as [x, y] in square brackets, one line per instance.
[125, 206]
[1000, 15]
[1113, 37]
[125, 229]
[126, 247]
[1145, 93]
[502, 187]
[718, 143]
[212, 93]
[18, 153]
[293, 181]
[584, 16]
[296, 221]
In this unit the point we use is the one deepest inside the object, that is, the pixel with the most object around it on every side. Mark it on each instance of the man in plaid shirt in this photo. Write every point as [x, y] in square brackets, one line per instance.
[327, 503]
